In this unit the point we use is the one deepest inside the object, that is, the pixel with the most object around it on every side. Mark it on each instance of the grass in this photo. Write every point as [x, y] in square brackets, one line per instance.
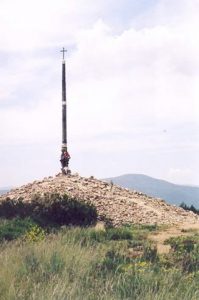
[41, 257]
[15, 228]
[82, 263]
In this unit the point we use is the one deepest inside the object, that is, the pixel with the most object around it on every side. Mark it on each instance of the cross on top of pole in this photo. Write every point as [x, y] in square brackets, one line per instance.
[63, 50]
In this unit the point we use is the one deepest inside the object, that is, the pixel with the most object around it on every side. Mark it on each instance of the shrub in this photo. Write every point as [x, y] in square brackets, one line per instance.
[10, 208]
[63, 210]
[35, 234]
[51, 209]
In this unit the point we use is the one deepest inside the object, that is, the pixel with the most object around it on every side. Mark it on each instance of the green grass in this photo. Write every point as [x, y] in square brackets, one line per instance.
[82, 263]
[185, 253]
[41, 257]
[15, 228]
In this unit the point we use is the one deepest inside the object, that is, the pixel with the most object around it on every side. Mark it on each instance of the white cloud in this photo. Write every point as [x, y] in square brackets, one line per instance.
[30, 24]
[124, 88]
[38, 125]
[136, 74]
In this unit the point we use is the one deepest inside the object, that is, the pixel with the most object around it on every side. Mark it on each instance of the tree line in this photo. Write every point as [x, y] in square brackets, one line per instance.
[190, 208]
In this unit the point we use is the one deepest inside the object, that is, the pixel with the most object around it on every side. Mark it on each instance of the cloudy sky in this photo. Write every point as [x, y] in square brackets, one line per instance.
[132, 88]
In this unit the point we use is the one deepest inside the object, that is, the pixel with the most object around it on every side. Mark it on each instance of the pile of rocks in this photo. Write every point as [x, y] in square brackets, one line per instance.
[117, 204]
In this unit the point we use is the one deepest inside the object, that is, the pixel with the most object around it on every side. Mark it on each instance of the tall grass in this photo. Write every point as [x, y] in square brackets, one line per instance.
[78, 264]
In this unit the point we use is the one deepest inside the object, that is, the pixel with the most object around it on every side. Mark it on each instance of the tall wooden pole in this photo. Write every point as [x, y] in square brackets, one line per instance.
[64, 105]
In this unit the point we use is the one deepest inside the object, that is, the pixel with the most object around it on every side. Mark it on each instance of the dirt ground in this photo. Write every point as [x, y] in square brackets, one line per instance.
[183, 229]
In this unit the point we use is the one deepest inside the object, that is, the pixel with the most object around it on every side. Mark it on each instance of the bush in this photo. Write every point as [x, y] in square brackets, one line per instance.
[63, 210]
[10, 208]
[35, 234]
[51, 209]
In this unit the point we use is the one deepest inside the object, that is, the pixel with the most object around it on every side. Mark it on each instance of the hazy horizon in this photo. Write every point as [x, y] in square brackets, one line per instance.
[115, 176]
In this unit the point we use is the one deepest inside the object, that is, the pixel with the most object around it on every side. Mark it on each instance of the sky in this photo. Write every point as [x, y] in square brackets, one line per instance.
[132, 71]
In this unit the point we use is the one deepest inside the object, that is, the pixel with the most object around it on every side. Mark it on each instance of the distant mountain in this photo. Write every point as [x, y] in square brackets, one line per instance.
[172, 193]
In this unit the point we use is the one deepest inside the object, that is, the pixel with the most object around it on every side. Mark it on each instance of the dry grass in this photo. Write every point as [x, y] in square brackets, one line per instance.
[75, 264]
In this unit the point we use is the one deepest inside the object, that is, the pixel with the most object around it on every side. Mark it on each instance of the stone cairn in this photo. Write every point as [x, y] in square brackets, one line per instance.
[119, 205]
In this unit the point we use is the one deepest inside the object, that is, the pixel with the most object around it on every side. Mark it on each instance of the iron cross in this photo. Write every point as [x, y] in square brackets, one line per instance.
[63, 52]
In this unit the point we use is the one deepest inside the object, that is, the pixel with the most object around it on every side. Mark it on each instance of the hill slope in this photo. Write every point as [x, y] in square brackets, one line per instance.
[173, 193]
[119, 205]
